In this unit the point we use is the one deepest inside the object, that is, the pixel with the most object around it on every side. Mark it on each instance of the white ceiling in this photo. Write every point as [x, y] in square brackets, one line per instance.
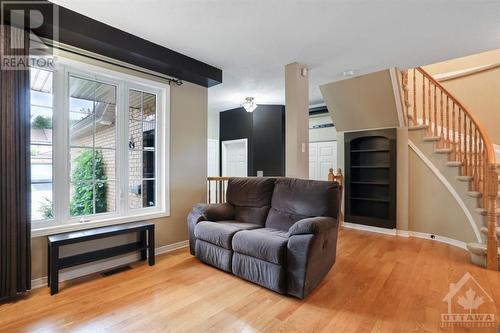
[251, 41]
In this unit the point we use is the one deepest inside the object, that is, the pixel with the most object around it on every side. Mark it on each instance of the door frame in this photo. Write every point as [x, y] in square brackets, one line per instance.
[223, 144]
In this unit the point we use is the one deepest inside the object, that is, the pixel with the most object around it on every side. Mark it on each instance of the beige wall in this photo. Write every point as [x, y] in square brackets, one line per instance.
[432, 209]
[296, 121]
[363, 102]
[478, 92]
[188, 170]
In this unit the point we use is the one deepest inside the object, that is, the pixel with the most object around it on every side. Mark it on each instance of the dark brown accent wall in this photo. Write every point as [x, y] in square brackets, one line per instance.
[265, 130]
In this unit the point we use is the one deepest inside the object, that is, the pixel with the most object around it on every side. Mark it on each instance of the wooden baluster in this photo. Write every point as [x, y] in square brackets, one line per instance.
[430, 106]
[404, 79]
[423, 102]
[464, 154]
[415, 113]
[471, 157]
[441, 118]
[216, 193]
[436, 133]
[221, 191]
[460, 136]
[476, 159]
[448, 143]
[209, 192]
[454, 143]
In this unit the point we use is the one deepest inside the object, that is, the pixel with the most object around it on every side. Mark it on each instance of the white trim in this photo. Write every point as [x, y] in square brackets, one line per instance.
[449, 187]
[407, 233]
[349, 225]
[397, 96]
[441, 239]
[465, 72]
[105, 265]
[56, 229]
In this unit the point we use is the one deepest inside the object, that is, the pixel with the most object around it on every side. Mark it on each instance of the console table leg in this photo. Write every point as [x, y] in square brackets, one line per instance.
[48, 264]
[151, 245]
[144, 243]
[54, 270]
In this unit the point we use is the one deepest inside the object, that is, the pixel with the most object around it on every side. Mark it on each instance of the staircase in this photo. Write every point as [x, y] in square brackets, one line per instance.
[454, 132]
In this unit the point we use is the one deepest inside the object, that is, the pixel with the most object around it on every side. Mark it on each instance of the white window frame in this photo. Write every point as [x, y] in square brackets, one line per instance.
[62, 220]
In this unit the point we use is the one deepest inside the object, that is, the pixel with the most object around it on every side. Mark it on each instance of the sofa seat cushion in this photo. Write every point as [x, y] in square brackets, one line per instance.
[221, 233]
[264, 243]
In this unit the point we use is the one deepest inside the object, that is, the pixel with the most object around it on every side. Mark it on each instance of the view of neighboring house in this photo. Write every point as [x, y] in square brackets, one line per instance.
[279, 166]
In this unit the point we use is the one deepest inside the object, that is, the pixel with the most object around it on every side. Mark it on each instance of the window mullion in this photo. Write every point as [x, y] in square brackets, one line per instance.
[61, 183]
[124, 161]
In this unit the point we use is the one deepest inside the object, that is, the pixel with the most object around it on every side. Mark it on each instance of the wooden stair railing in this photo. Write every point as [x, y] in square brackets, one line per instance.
[218, 185]
[429, 105]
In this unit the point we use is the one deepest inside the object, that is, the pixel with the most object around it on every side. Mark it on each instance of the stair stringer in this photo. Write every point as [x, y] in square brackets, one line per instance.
[448, 177]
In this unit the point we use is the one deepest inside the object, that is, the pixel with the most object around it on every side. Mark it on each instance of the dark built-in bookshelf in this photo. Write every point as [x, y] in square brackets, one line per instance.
[370, 193]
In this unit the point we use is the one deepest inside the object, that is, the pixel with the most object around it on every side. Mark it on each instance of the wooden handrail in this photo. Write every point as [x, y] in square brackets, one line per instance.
[459, 131]
[484, 133]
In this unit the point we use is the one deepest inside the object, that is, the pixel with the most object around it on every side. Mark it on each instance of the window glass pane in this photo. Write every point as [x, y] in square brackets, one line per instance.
[105, 164]
[93, 142]
[104, 197]
[135, 194]
[149, 107]
[41, 201]
[135, 134]
[148, 164]
[142, 146]
[81, 129]
[135, 104]
[82, 198]
[82, 164]
[105, 125]
[135, 165]
[148, 137]
[148, 196]
[41, 84]
[41, 98]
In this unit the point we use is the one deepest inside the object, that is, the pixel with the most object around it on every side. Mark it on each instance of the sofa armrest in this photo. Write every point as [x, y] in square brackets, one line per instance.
[310, 255]
[207, 212]
[213, 212]
[312, 225]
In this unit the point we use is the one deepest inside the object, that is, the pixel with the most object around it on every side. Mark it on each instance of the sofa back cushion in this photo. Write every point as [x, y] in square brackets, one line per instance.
[296, 199]
[251, 198]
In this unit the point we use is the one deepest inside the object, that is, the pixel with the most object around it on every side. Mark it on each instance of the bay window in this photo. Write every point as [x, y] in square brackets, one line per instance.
[98, 147]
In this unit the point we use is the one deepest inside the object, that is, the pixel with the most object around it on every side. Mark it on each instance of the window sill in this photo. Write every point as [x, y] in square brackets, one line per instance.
[60, 228]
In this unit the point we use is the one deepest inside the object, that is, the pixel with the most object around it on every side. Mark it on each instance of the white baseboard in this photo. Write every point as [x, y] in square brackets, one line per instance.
[408, 233]
[103, 265]
[378, 230]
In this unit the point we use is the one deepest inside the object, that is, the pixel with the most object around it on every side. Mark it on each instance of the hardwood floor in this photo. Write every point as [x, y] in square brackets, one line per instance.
[379, 284]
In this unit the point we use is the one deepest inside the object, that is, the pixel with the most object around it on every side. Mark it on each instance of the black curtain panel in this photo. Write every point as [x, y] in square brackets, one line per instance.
[15, 226]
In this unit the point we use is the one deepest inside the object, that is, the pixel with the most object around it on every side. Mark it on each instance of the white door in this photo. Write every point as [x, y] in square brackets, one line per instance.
[322, 157]
[235, 158]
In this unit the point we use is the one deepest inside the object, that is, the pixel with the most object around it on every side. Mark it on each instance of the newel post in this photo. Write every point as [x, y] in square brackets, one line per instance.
[492, 193]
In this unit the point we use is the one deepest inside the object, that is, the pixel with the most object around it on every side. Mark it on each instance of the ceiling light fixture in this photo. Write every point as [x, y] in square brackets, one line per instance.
[249, 104]
[349, 72]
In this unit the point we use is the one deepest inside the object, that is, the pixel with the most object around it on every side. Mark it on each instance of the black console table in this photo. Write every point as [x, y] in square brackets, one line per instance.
[146, 246]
